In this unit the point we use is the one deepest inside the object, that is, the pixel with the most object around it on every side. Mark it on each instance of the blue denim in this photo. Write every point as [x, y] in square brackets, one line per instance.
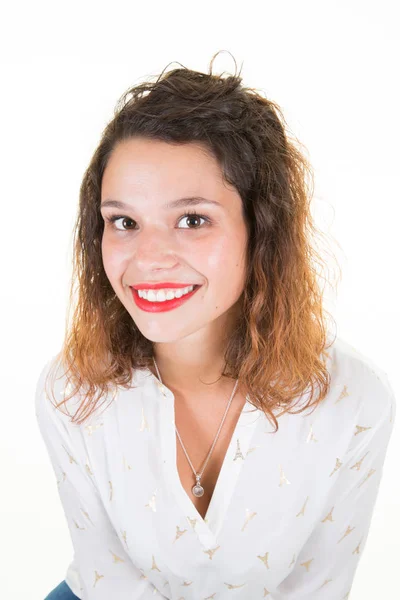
[62, 592]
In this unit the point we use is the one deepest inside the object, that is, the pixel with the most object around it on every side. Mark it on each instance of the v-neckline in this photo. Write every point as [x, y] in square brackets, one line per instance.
[208, 528]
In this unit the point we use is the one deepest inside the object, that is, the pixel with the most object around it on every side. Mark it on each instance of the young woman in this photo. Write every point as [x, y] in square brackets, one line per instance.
[210, 437]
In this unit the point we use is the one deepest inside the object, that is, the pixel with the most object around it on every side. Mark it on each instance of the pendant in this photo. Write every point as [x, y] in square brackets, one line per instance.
[197, 489]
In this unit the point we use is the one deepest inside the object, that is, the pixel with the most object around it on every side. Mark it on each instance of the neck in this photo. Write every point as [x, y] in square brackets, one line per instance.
[193, 364]
[192, 378]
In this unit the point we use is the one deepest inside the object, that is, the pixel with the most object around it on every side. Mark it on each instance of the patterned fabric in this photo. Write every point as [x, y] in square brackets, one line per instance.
[289, 516]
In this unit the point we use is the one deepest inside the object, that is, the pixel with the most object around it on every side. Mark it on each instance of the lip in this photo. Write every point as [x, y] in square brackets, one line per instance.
[155, 307]
[159, 286]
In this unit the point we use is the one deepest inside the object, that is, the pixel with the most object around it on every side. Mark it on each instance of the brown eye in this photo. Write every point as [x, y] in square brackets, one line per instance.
[193, 218]
[116, 218]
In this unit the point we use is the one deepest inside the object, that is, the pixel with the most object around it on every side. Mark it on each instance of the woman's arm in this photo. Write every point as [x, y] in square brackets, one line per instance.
[105, 569]
[326, 565]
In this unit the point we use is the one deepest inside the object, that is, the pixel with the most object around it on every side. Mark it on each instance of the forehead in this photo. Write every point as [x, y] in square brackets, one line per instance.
[152, 171]
[146, 157]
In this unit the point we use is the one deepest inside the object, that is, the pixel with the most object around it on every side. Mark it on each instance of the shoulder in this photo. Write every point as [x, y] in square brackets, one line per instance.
[367, 381]
[58, 399]
[52, 387]
[361, 399]
[45, 384]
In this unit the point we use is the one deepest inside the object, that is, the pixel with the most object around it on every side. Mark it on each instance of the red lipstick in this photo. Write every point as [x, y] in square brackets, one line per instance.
[154, 307]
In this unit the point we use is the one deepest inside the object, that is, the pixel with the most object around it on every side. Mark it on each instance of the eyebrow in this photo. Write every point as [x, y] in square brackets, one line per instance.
[179, 203]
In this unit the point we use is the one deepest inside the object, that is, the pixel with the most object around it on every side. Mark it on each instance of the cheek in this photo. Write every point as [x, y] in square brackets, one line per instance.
[225, 258]
[225, 267]
[112, 259]
[215, 255]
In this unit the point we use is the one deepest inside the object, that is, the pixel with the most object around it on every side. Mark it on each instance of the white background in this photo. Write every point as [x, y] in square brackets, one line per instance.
[333, 67]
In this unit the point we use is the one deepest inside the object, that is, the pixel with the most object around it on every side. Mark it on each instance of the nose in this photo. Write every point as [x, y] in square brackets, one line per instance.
[154, 248]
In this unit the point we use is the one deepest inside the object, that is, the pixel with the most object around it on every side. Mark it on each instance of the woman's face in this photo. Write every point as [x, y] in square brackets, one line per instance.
[153, 242]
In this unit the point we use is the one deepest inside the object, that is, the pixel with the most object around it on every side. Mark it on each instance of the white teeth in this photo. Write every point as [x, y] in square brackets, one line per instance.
[162, 295]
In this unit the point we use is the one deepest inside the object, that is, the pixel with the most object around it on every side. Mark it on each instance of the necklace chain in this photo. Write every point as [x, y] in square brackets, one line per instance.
[197, 489]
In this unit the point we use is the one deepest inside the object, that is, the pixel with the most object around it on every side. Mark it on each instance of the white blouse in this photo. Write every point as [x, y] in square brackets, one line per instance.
[289, 516]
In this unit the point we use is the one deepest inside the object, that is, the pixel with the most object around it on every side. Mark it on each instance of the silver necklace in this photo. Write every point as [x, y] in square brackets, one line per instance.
[198, 489]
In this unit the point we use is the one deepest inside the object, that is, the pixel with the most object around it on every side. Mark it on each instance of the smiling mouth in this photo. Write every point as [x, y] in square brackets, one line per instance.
[164, 299]
[162, 305]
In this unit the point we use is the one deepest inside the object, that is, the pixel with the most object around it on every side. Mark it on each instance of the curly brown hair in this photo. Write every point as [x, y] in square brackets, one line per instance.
[278, 346]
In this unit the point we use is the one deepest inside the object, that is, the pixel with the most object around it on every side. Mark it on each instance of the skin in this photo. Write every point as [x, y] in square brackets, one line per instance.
[158, 243]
